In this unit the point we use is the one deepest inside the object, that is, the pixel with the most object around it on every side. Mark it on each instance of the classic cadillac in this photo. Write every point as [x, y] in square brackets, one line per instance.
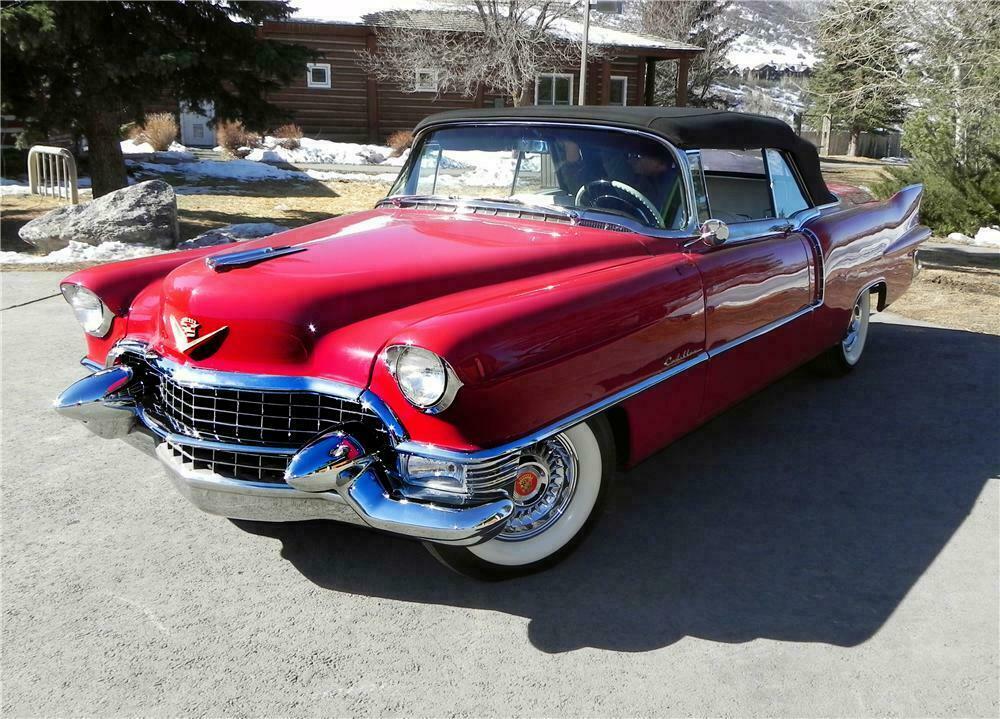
[546, 296]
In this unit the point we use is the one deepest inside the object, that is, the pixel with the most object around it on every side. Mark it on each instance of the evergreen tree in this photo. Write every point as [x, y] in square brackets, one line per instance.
[859, 78]
[88, 67]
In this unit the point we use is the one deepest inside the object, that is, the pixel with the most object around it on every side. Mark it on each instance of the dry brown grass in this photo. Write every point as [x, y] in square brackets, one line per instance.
[233, 138]
[159, 130]
[288, 136]
[399, 141]
[966, 300]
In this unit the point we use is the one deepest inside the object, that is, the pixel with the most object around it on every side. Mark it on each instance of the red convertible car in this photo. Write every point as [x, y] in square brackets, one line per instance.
[545, 296]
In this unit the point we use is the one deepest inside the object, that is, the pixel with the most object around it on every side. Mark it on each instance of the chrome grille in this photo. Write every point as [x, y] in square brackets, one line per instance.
[492, 474]
[248, 417]
[264, 428]
[247, 466]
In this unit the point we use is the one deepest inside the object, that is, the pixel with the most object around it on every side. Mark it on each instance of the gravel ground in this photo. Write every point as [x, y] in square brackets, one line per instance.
[827, 548]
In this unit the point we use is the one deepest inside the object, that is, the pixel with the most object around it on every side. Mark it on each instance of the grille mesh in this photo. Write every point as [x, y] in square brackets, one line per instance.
[238, 416]
[247, 466]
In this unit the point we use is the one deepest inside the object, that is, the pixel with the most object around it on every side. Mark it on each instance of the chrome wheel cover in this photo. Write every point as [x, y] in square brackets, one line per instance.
[853, 343]
[556, 466]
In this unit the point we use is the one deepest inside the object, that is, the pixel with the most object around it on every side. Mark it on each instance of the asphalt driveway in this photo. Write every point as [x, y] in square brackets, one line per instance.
[826, 548]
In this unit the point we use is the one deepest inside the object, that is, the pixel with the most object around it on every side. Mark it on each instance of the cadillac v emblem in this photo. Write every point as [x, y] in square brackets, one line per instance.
[186, 333]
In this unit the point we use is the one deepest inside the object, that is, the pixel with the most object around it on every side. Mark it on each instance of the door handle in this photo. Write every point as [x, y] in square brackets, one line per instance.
[785, 227]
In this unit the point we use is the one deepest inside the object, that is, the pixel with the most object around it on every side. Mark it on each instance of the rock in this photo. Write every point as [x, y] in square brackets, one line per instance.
[143, 214]
[959, 237]
[232, 233]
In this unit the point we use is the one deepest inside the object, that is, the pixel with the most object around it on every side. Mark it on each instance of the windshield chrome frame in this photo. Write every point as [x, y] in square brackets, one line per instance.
[691, 212]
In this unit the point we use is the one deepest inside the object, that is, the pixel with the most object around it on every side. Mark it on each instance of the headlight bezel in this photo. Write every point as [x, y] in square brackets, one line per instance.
[71, 292]
[392, 356]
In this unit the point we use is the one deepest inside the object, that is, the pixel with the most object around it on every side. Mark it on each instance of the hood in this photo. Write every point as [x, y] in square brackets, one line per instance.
[357, 281]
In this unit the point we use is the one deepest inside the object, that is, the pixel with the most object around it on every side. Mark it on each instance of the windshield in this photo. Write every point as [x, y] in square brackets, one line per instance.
[564, 167]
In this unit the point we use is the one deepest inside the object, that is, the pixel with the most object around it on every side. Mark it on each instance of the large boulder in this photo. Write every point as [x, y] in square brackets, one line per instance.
[143, 214]
[232, 233]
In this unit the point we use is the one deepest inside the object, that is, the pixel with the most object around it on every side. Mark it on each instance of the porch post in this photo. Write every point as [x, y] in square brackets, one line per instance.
[682, 80]
[371, 95]
[605, 97]
[641, 84]
[650, 90]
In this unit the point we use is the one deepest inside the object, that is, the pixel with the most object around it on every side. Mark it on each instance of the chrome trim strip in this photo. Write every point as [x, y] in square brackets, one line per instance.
[186, 441]
[374, 402]
[754, 334]
[428, 450]
[817, 247]
[91, 365]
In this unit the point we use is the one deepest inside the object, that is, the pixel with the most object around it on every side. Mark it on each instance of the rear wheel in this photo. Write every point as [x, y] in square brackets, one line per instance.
[844, 356]
[561, 486]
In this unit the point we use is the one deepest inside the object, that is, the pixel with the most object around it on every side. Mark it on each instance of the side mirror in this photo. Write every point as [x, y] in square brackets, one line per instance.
[714, 232]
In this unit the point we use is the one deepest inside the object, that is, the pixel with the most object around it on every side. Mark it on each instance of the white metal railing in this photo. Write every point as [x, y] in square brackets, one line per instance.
[52, 173]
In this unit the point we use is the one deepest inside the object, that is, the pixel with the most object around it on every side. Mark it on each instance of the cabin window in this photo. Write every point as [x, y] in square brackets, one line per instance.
[618, 90]
[788, 195]
[554, 89]
[318, 75]
[426, 80]
[737, 185]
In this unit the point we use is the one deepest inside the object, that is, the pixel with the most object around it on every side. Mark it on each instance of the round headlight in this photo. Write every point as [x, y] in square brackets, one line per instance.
[425, 379]
[421, 376]
[91, 313]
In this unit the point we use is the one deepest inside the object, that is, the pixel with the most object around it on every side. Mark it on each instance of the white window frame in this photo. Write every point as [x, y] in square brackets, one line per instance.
[624, 79]
[433, 71]
[552, 76]
[318, 66]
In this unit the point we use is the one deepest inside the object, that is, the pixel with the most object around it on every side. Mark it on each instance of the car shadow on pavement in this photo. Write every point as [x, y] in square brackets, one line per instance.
[804, 514]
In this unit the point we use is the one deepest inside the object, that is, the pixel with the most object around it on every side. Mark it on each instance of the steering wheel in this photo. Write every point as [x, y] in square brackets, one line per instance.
[615, 195]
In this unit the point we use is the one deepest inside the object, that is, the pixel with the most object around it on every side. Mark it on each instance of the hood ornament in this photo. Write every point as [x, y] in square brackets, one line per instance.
[244, 258]
[185, 333]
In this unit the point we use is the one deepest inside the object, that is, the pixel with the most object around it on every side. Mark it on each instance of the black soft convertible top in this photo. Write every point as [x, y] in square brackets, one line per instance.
[688, 128]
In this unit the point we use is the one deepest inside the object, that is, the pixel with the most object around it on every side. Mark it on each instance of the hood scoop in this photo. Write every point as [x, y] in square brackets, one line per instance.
[231, 260]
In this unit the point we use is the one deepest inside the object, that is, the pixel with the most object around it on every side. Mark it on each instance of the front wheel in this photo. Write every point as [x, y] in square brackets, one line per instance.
[561, 486]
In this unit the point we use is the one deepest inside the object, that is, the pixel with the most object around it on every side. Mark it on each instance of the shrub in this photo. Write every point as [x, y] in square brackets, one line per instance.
[288, 136]
[954, 200]
[961, 179]
[159, 130]
[234, 138]
[399, 141]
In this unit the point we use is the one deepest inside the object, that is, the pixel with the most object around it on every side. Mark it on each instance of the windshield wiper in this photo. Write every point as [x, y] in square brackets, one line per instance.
[461, 199]
[550, 209]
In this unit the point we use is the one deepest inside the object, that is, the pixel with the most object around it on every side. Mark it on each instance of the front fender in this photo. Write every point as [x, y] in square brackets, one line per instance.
[542, 354]
[118, 283]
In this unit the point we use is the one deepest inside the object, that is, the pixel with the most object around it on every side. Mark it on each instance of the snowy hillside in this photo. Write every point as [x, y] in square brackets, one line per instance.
[774, 32]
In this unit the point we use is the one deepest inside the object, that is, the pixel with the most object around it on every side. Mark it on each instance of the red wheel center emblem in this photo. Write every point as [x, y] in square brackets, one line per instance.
[525, 484]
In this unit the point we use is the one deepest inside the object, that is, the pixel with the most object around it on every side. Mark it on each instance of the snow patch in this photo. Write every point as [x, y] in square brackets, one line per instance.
[322, 152]
[237, 170]
[13, 187]
[329, 175]
[82, 252]
[987, 237]
[176, 151]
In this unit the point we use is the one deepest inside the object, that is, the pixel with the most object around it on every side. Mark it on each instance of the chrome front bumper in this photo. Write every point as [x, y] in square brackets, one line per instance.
[360, 494]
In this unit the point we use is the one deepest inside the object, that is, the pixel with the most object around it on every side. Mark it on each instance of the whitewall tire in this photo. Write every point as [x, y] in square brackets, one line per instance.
[844, 356]
[561, 486]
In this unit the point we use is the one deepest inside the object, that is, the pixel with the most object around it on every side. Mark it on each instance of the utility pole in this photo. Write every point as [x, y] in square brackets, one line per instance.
[583, 53]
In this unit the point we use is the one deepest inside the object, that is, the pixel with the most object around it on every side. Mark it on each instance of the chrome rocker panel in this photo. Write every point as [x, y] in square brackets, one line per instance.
[358, 495]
